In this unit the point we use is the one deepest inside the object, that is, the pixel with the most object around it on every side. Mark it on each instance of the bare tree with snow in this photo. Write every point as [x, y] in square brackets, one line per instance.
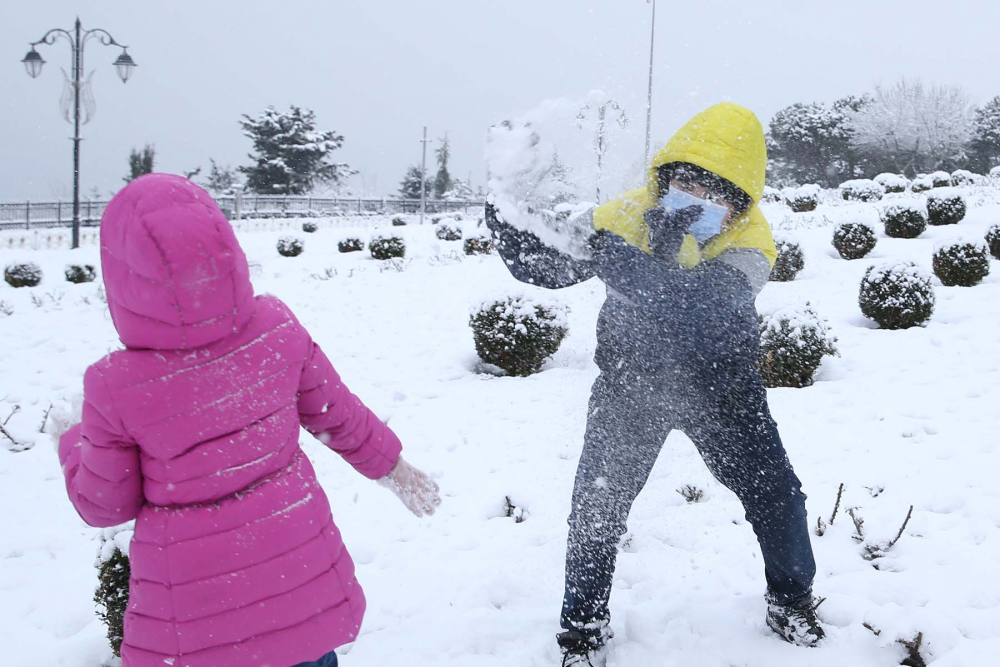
[909, 127]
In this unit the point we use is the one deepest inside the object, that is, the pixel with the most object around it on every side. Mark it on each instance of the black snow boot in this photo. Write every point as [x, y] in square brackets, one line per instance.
[796, 623]
[580, 650]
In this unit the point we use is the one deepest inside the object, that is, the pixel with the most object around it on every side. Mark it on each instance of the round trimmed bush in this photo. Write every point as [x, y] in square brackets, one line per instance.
[861, 190]
[904, 220]
[793, 342]
[350, 245]
[946, 207]
[309, 227]
[964, 177]
[921, 184]
[399, 222]
[27, 274]
[517, 334]
[961, 264]
[771, 195]
[448, 233]
[941, 179]
[387, 247]
[478, 245]
[790, 260]
[893, 183]
[290, 246]
[896, 296]
[993, 240]
[803, 199]
[76, 273]
[854, 240]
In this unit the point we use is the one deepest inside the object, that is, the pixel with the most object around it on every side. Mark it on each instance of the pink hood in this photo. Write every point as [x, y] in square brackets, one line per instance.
[175, 276]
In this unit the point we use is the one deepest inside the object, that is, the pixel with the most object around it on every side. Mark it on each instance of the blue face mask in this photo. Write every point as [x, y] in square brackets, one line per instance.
[709, 224]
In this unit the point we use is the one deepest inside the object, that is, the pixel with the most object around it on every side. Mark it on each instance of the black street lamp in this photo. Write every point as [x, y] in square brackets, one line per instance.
[78, 39]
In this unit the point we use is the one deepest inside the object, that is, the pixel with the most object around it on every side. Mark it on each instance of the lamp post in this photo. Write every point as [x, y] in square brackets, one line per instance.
[601, 138]
[78, 39]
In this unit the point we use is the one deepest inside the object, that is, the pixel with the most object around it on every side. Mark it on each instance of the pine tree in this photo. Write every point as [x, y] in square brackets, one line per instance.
[442, 182]
[291, 156]
[984, 148]
[409, 188]
[559, 189]
[140, 164]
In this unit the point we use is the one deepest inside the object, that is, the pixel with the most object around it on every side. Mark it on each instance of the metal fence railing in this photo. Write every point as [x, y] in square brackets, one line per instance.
[48, 214]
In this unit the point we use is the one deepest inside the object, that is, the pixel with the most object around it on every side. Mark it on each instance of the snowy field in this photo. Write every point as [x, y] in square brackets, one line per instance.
[901, 418]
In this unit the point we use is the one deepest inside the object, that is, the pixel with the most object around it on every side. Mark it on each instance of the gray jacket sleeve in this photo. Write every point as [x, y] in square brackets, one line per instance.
[751, 263]
[533, 262]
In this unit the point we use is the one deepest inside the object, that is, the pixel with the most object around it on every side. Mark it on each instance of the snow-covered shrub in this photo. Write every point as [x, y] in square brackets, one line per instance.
[790, 260]
[945, 207]
[387, 247]
[854, 240]
[802, 199]
[290, 246]
[793, 342]
[77, 273]
[963, 177]
[448, 233]
[517, 334]
[771, 195]
[941, 179]
[399, 222]
[962, 263]
[113, 571]
[309, 226]
[897, 296]
[893, 182]
[27, 274]
[904, 220]
[478, 245]
[993, 240]
[350, 245]
[921, 184]
[995, 173]
[861, 189]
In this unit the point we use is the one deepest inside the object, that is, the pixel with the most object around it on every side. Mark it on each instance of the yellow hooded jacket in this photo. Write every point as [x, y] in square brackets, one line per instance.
[725, 139]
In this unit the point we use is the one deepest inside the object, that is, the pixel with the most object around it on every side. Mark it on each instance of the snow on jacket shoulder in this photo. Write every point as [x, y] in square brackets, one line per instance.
[193, 431]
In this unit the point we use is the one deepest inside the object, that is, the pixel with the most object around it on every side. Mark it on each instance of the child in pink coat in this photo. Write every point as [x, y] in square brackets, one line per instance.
[193, 431]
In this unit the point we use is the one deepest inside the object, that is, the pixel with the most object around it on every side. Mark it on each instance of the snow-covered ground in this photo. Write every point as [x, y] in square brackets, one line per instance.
[901, 418]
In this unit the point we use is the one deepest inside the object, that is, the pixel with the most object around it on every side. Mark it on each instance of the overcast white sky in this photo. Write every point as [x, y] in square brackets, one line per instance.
[378, 70]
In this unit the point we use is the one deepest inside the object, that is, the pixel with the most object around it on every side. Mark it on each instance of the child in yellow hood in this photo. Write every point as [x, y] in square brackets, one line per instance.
[683, 260]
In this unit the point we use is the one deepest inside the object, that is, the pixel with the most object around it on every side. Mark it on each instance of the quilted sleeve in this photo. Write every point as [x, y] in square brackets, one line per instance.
[339, 419]
[101, 461]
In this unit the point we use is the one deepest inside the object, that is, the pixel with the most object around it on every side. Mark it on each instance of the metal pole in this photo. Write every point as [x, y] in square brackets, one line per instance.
[77, 67]
[27, 215]
[423, 179]
[649, 101]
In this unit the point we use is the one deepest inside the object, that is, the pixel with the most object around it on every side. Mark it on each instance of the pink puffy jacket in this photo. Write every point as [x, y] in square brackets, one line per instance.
[193, 430]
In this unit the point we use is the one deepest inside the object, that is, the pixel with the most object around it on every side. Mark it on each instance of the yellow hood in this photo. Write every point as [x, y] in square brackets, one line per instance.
[725, 139]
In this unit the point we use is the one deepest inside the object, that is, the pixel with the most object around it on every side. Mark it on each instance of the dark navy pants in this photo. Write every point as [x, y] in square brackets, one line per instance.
[328, 660]
[627, 425]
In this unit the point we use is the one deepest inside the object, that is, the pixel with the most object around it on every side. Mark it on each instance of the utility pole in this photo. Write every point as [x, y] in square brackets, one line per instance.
[649, 101]
[423, 178]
